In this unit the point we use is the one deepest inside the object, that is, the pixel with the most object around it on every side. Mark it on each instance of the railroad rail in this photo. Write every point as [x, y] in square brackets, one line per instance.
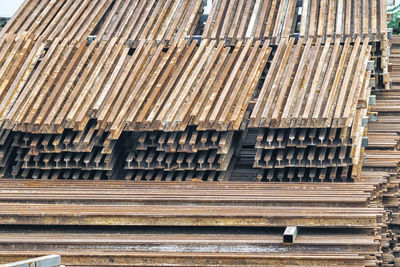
[382, 155]
[275, 20]
[126, 20]
[188, 194]
[80, 123]
[76, 100]
[204, 215]
[153, 91]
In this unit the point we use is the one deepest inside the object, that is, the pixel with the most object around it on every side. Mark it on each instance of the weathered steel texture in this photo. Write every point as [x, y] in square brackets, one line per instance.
[67, 104]
[320, 72]
[188, 194]
[308, 113]
[186, 216]
[381, 154]
[269, 241]
[274, 20]
[163, 21]
[162, 98]
[323, 208]
[197, 259]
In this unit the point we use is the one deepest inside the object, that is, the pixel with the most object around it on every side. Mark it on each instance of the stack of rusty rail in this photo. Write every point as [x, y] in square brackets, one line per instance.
[339, 223]
[144, 90]
[394, 66]
[389, 241]
[162, 21]
[125, 89]
[307, 120]
[71, 121]
[184, 126]
[233, 20]
[178, 156]
[59, 61]
[382, 156]
[274, 20]
[33, 97]
[47, 130]
[119, 107]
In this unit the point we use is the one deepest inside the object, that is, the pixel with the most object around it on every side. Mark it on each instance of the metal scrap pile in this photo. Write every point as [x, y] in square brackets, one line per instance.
[157, 91]
[212, 223]
[83, 85]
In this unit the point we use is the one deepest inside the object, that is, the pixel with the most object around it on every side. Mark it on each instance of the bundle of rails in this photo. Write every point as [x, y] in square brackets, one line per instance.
[126, 20]
[130, 93]
[144, 90]
[322, 211]
[82, 129]
[62, 135]
[382, 156]
[275, 20]
[308, 124]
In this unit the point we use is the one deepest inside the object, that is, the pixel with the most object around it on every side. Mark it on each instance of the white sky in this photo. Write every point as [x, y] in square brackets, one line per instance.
[8, 7]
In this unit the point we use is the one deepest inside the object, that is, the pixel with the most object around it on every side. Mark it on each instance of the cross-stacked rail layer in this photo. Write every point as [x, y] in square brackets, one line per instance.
[70, 102]
[113, 90]
[50, 88]
[178, 156]
[129, 69]
[233, 20]
[382, 155]
[162, 21]
[345, 216]
[307, 120]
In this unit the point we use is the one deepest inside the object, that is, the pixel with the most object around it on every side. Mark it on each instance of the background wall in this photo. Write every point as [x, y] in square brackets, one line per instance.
[8, 7]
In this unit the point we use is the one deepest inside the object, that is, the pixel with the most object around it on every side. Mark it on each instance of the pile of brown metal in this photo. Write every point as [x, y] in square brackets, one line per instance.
[382, 156]
[205, 218]
[69, 124]
[235, 20]
[124, 19]
[178, 156]
[114, 90]
[309, 120]
[274, 91]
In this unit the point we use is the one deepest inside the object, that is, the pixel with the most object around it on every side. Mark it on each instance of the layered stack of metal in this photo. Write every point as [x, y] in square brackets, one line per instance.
[183, 122]
[154, 91]
[308, 114]
[60, 59]
[151, 90]
[178, 156]
[340, 224]
[308, 121]
[382, 156]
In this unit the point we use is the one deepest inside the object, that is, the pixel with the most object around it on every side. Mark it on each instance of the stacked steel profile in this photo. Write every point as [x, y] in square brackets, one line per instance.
[155, 91]
[341, 224]
[126, 89]
[308, 114]
[382, 154]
